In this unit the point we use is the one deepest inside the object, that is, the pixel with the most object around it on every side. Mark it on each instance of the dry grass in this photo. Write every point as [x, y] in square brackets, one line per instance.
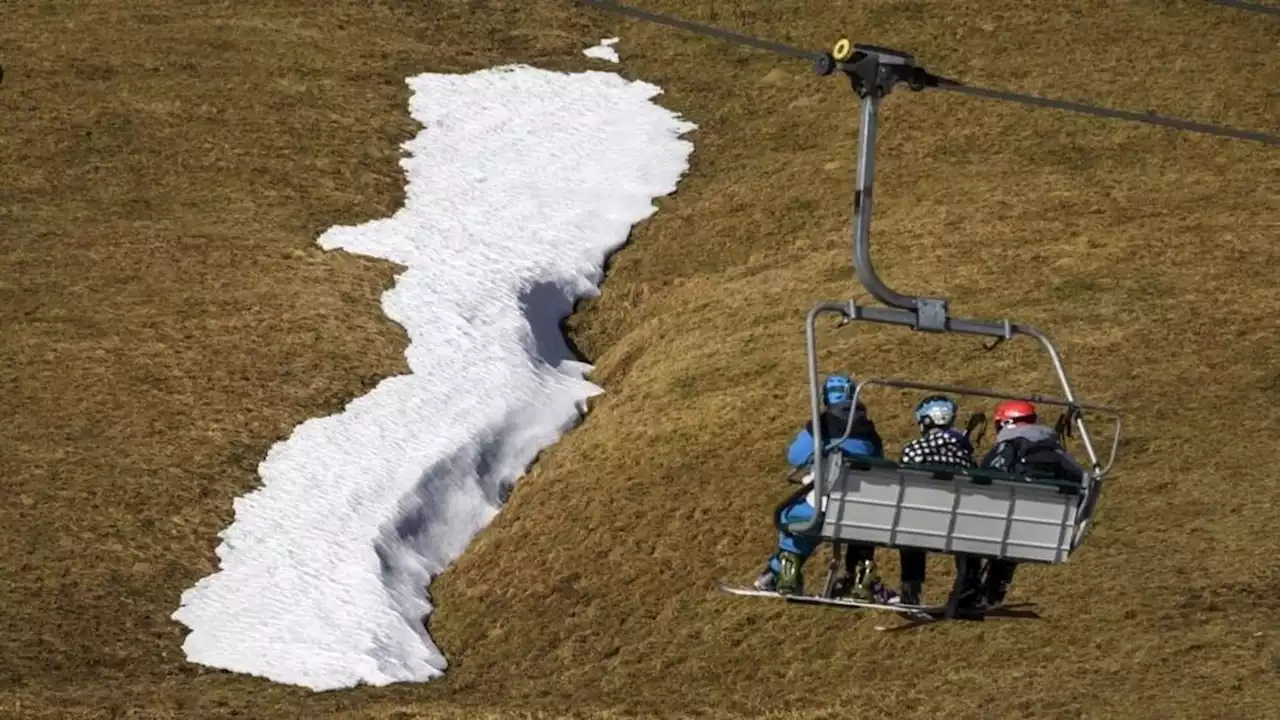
[166, 317]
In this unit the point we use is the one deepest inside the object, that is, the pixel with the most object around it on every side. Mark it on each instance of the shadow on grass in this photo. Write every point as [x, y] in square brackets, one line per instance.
[1015, 611]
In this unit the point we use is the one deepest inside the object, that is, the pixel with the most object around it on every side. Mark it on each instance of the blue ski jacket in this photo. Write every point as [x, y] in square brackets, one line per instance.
[863, 439]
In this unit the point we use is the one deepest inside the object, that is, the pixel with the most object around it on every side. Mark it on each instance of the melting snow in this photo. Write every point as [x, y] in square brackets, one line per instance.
[520, 185]
[603, 51]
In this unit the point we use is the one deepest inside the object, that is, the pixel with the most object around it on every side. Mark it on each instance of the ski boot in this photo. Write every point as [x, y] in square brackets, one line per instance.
[864, 585]
[790, 579]
[970, 604]
[767, 581]
[912, 593]
[994, 587]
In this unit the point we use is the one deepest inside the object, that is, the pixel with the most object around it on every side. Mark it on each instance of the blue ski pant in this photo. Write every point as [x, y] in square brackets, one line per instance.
[802, 511]
[798, 511]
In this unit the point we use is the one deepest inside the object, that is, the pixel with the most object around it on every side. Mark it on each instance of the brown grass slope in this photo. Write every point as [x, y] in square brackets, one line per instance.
[166, 317]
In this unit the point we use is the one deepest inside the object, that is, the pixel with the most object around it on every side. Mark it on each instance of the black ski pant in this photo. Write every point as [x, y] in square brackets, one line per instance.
[968, 574]
[913, 565]
[999, 575]
[912, 560]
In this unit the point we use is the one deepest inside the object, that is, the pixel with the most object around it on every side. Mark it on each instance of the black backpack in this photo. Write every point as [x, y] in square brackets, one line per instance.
[836, 417]
[1041, 458]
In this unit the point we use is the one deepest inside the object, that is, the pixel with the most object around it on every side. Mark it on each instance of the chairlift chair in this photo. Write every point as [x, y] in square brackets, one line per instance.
[969, 511]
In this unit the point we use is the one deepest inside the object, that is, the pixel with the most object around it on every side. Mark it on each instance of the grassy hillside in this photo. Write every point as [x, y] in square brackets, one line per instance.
[167, 317]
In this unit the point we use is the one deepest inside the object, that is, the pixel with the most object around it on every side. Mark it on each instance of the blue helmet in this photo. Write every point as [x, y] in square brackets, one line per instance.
[936, 411]
[839, 389]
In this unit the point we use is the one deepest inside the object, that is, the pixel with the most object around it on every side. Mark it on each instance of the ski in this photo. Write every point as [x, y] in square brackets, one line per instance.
[1002, 610]
[920, 612]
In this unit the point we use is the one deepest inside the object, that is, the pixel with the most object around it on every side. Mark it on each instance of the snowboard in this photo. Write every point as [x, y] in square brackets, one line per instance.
[920, 612]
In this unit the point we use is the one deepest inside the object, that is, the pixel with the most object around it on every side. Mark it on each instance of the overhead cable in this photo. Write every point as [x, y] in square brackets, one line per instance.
[825, 60]
[1250, 7]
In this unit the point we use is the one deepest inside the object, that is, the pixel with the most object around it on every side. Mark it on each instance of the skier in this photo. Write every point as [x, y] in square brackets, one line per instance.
[784, 571]
[1022, 446]
[939, 444]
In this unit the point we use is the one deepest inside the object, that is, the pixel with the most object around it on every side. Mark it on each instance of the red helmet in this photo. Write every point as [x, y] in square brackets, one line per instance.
[1011, 412]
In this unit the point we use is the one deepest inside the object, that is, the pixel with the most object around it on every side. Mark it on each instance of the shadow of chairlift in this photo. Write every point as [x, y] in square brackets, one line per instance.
[1011, 611]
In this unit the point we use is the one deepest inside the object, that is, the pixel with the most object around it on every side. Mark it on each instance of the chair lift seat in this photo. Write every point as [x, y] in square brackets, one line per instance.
[944, 508]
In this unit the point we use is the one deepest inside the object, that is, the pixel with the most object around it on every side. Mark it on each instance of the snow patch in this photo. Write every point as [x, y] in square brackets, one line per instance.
[520, 185]
[603, 51]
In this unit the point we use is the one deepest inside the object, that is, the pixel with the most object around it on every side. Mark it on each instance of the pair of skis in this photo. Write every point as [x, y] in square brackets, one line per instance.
[920, 613]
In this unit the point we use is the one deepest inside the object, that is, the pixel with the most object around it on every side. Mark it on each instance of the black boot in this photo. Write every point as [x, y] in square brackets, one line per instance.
[967, 592]
[913, 571]
[911, 593]
[995, 584]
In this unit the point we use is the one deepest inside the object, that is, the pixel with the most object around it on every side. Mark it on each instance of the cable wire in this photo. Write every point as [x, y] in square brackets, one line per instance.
[1149, 118]
[769, 45]
[956, 85]
[1251, 7]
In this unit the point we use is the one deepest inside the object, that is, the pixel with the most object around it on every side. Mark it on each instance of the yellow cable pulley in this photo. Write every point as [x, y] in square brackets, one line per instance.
[843, 50]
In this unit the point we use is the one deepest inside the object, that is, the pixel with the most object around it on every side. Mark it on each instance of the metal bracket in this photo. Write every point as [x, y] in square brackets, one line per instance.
[848, 316]
[931, 314]
[874, 70]
[1008, 335]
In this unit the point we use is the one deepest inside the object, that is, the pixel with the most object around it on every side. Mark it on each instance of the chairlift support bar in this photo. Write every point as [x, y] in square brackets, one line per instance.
[963, 390]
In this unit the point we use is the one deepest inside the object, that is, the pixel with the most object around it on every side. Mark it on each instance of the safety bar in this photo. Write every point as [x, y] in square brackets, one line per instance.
[962, 390]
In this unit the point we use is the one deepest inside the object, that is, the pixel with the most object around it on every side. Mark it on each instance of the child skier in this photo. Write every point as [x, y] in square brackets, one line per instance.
[939, 444]
[783, 572]
[1022, 446]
